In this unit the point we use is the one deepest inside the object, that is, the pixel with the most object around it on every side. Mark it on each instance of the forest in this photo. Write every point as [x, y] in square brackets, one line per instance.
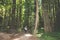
[39, 17]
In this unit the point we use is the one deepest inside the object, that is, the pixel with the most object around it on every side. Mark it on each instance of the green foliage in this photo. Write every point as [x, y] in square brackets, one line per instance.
[50, 36]
[25, 13]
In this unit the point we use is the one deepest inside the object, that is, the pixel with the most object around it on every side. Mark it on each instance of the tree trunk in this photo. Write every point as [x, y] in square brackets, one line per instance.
[13, 25]
[36, 17]
[45, 8]
[47, 27]
[57, 22]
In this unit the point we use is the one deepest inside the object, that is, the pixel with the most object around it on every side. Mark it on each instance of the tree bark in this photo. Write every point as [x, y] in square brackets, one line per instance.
[36, 17]
[45, 8]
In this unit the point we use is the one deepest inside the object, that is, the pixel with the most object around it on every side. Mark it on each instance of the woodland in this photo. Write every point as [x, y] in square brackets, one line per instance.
[41, 17]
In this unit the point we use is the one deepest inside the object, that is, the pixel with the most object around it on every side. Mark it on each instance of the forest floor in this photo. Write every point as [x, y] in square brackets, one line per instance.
[49, 36]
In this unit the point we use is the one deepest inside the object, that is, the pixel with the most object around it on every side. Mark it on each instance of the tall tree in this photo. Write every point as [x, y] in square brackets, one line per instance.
[57, 22]
[36, 17]
[46, 11]
[13, 25]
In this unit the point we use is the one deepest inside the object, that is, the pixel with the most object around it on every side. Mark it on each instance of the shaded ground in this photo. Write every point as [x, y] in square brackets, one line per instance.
[50, 36]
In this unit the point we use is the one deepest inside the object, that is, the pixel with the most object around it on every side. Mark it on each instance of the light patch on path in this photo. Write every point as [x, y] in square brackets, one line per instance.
[24, 37]
[28, 35]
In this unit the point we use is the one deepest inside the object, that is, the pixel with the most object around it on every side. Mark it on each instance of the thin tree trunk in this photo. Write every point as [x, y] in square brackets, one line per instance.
[37, 17]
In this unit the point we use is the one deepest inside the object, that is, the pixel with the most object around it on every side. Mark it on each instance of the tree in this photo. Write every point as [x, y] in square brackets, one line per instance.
[57, 22]
[36, 17]
[46, 7]
[13, 24]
